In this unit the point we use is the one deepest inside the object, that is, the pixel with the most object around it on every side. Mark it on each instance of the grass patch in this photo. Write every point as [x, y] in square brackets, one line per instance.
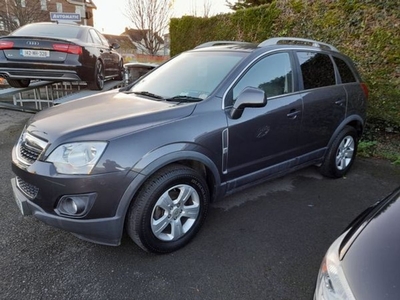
[381, 140]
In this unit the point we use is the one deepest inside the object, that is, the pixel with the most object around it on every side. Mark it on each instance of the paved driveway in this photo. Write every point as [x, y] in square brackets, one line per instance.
[263, 243]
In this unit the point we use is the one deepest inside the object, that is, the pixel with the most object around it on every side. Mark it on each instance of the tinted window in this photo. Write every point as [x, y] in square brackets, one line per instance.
[345, 72]
[317, 70]
[103, 39]
[48, 30]
[95, 37]
[89, 38]
[272, 74]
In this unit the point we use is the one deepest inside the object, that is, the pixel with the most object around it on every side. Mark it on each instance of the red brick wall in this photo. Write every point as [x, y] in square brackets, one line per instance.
[67, 8]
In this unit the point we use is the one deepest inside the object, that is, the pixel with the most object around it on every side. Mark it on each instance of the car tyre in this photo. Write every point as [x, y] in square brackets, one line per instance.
[98, 82]
[169, 209]
[19, 83]
[341, 154]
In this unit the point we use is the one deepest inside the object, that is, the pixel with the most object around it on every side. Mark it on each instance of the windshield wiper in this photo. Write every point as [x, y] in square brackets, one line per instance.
[148, 94]
[184, 99]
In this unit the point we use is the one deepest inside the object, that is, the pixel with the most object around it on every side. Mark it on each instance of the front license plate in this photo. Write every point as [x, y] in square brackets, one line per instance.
[34, 53]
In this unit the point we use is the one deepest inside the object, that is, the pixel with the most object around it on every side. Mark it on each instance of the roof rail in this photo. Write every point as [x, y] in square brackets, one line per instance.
[222, 43]
[297, 41]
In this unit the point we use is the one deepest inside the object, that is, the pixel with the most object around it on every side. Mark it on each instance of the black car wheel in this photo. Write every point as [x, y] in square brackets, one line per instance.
[169, 210]
[98, 82]
[19, 83]
[341, 154]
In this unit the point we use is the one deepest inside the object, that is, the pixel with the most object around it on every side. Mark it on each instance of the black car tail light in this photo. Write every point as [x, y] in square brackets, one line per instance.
[6, 45]
[72, 49]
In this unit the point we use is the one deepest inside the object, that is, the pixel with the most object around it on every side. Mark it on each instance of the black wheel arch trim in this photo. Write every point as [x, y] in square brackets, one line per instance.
[347, 121]
[147, 167]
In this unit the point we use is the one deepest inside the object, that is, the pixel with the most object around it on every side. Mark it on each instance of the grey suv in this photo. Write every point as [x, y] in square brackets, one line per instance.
[211, 121]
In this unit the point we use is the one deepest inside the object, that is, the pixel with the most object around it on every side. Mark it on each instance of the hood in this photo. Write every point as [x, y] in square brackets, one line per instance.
[371, 263]
[104, 116]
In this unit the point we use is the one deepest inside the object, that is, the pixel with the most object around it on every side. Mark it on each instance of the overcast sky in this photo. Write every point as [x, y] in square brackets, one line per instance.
[109, 17]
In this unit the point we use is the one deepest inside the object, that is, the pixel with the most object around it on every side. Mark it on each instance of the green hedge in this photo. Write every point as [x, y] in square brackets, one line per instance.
[366, 30]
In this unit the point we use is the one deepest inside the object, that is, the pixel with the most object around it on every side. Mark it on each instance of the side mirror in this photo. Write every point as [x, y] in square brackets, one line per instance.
[249, 97]
[115, 46]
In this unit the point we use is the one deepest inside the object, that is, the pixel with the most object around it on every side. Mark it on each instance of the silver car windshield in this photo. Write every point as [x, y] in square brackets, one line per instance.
[191, 74]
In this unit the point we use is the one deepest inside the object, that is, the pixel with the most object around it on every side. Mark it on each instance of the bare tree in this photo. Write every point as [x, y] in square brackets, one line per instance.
[193, 8]
[16, 13]
[205, 12]
[207, 8]
[151, 19]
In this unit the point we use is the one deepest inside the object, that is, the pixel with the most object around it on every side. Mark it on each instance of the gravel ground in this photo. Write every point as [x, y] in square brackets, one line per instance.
[9, 118]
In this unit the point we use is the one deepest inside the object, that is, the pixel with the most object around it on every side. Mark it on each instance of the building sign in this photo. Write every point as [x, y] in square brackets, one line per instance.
[56, 16]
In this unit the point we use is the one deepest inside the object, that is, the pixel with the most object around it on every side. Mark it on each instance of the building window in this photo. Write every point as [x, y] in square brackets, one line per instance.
[59, 7]
[79, 9]
[43, 4]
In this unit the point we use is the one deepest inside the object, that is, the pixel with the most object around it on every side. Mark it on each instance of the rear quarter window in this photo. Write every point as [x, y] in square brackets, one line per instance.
[345, 72]
[317, 70]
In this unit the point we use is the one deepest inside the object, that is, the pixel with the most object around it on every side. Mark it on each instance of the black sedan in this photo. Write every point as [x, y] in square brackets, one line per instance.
[59, 52]
[363, 263]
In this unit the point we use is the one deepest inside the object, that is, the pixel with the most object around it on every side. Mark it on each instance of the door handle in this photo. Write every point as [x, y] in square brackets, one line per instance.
[293, 114]
[340, 102]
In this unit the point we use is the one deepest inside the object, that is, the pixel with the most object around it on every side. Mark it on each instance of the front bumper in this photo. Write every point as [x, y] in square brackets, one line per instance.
[106, 231]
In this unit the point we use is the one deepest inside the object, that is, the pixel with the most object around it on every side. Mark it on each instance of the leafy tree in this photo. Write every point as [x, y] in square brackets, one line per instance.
[243, 4]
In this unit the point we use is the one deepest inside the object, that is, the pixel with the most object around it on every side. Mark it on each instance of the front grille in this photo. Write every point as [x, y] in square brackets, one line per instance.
[28, 189]
[28, 153]
[29, 148]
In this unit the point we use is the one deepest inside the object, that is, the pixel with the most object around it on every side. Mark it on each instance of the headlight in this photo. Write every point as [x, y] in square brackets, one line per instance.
[77, 158]
[331, 282]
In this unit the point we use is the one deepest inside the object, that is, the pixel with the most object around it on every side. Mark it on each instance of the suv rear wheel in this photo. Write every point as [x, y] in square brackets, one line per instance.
[341, 154]
[169, 209]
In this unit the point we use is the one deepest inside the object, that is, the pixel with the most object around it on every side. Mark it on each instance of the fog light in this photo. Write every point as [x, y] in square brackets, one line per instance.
[75, 205]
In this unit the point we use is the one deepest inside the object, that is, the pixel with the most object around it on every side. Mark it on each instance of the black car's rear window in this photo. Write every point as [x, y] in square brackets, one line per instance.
[48, 30]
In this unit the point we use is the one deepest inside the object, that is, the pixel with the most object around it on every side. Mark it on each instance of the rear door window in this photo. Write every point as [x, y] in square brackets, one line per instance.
[317, 70]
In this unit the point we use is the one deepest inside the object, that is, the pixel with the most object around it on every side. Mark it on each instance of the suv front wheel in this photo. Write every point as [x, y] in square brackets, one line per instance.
[169, 209]
[341, 154]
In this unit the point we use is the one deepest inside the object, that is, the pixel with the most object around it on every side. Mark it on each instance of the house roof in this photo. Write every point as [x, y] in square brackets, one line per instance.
[137, 35]
[124, 41]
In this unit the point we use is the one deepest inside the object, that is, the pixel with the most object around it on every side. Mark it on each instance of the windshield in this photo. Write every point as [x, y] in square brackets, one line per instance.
[190, 75]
